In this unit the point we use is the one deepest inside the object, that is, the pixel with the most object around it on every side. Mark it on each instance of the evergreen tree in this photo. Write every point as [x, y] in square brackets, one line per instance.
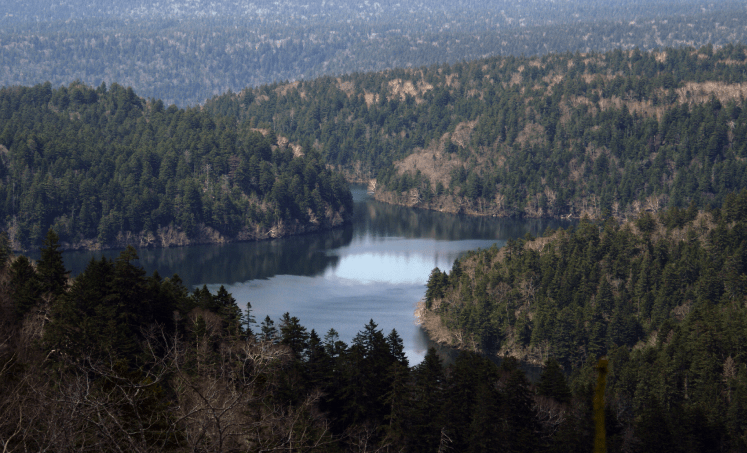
[485, 434]
[517, 410]
[293, 334]
[24, 286]
[50, 268]
[427, 418]
[268, 331]
[5, 251]
[552, 382]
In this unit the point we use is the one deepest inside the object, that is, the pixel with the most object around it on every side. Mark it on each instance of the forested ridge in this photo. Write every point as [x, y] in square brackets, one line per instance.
[104, 167]
[663, 297]
[118, 360]
[558, 135]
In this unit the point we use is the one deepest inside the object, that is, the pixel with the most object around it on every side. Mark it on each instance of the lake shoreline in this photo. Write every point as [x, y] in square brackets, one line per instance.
[172, 236]
[441, 335]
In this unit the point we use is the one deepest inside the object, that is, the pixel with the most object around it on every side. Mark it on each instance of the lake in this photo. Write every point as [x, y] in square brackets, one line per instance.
[374, 268]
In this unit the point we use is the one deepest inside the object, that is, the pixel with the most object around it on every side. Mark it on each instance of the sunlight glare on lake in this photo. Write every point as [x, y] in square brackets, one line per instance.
[392, 268]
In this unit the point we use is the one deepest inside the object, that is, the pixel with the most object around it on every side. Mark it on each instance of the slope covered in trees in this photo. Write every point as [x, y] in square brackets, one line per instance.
[662, 296]
[104, 167]
[117, 360]
[591, 288]
[559, 135]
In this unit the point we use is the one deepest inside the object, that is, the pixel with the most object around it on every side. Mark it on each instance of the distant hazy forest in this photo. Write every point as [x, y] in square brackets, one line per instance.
[185, 53]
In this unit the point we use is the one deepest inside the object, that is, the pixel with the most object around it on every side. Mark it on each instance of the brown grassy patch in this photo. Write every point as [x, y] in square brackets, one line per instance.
[370, 98]
[552, 79]
[463, 133]
[538, 244]
[265, 133]
[475, 93]
[532, 134]
[282, 90]
[432, 162]
[645, 108]
[347, 87]
[424, 87]
[401, 89]
[695, 92]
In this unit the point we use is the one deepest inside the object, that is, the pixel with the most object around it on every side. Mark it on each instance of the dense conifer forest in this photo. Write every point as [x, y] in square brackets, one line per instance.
[104, 167]
[662, 296]
[559, 135]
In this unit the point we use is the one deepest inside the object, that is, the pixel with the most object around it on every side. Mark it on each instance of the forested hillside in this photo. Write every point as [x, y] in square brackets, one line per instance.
[664, 297]
[187, 52]
[559, 135]
[118, 360]
[104, 167]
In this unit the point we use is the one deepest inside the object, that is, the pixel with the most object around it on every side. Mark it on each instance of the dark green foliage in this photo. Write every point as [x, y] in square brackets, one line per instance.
[119, 166]
[24, 285]
[427, 414]
[5, 252]
[598, 286]
[673, 290]
[646, 223]
[105, 309]
[50, 268]
[293, 334]
[205, 51]
[436, 285]
[268, 331]
[552, 382]
[472, 403]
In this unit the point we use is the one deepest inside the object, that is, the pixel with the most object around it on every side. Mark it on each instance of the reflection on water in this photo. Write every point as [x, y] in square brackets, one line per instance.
[384, 220]
[375, 268]
[235, 262]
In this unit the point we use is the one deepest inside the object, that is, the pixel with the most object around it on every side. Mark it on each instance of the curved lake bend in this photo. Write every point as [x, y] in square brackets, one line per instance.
[375, 268]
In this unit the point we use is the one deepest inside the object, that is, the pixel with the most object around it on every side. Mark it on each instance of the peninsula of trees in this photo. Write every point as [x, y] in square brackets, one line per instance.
[106, 168]
[664, 297]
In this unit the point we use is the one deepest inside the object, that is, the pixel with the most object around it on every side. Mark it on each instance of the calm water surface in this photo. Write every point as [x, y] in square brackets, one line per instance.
[376, 268]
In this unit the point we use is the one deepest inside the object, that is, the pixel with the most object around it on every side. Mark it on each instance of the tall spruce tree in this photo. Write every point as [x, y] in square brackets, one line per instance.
[552, 382]
[51, 273]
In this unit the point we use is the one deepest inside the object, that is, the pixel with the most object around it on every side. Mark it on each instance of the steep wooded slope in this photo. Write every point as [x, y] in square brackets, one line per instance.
[586, 290]
[663, 297]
